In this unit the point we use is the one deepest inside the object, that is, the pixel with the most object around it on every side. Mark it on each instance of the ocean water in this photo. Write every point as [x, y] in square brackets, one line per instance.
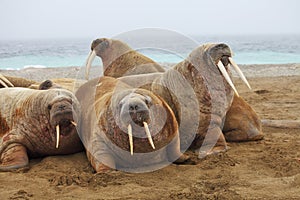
[260, 49]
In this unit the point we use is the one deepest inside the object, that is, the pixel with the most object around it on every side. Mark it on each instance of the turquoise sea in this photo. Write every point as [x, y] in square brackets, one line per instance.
[253, 49]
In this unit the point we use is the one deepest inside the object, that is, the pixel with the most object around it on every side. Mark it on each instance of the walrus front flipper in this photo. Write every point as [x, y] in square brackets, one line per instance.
[174, 154]
[242, 123]
[13, 157]
[98, 166]
[213, 143]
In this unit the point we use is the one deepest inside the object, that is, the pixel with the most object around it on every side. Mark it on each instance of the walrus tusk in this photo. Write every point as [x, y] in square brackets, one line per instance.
[239, 71]
[2, 83]
[57, 136]
[74, 123]
[3, 79]
[148, 134]
[89, 62]
[130, 138]
[226, 76]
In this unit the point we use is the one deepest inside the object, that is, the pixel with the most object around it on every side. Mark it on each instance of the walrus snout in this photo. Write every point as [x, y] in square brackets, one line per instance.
[134, 108]
[139, 112]
[225, 61]
[62, 118]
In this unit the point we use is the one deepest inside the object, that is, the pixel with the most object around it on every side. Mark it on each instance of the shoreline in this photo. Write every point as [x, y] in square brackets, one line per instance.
[77, 72]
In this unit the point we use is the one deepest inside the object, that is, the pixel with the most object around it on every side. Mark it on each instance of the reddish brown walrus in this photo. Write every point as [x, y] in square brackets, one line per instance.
[127, 128]
[36, 123]
[207, 71]
[211, 94]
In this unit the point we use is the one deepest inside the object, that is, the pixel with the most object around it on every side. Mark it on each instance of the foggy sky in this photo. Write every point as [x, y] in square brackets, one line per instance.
[24, 19]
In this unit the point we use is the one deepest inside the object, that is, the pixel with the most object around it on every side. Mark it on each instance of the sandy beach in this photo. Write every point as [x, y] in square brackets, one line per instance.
[267, 169]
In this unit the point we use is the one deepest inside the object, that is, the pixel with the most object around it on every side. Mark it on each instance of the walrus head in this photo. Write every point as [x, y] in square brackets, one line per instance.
[107, 49]
[63, 114]
[218, 57]
[135, 111]
[144, 117]
[47, 84]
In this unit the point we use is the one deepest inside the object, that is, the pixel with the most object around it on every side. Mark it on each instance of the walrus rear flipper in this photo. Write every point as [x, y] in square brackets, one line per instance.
[242, 123]
[14, 157]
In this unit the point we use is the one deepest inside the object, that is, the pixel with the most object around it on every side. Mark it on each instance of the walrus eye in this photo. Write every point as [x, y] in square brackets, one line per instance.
[49, 107]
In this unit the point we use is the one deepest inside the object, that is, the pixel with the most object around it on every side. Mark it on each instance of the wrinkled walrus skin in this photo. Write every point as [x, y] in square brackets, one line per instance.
[108, 107]
[29, 119]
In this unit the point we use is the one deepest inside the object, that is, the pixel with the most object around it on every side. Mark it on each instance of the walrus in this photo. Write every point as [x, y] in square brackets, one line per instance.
[4, 82]
[119, 59]
[127, 128]
[37, 123]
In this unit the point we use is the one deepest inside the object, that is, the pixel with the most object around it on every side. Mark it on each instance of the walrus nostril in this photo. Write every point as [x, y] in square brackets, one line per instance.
[131, 108]
[135, 108]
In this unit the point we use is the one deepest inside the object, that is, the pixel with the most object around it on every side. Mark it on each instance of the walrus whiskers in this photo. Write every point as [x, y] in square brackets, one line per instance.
[57, 136]
[130, 138]
[239, 71]
[74, 123]
[226, 76]
[148, 134]
[89, 62]
[3, 79]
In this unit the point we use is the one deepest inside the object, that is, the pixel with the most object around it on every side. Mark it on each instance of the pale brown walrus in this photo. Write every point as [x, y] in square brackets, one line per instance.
[127, 128]
[201, 70]
[119, 59]
[36, 123]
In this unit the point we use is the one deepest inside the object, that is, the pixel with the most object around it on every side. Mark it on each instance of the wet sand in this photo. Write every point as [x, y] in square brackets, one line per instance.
[267, 169]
